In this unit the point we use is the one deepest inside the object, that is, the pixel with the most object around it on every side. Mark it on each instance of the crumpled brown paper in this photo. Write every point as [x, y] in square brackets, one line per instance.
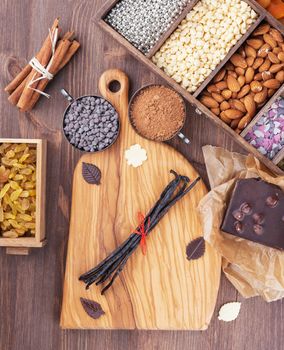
[252, 268]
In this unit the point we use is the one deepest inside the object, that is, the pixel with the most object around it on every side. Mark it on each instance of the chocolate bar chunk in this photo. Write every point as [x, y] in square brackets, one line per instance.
[256, 213]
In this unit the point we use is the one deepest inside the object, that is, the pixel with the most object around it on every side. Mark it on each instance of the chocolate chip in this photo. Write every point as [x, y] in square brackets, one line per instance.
[258, 229]
[246, 208]
[239, 226]
[238, 215]
[258, 218]
[272, 201]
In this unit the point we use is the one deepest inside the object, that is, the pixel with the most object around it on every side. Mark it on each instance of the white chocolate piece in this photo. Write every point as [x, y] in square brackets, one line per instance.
[135, 156]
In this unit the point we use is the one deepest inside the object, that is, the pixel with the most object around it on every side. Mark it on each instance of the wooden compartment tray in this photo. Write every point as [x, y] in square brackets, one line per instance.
[263, 15]
[22, 245]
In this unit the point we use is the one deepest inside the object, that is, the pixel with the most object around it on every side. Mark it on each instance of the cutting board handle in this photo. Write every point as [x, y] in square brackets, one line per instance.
[119, 99]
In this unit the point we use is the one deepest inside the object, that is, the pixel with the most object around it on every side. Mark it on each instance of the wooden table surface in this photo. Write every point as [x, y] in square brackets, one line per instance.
[31, 286]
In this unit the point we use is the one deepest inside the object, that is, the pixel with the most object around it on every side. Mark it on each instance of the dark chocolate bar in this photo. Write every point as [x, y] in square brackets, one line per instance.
[256, 213]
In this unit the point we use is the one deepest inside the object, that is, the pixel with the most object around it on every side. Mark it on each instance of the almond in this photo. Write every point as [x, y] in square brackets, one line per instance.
[209, 102]
[271, 92]
[220, 75]
[230, 66]
[238, 61]
[272, 84]
[226, 94]
[234, 123]
[257, 63]
[281, 56]
[265, 66]
[277, 50]
[217, 97]
[216, 111]
[261, 96]
[241, 80]
[244, 122]
[258, 77]
[250, 105]
[244, 91]
[276, 35]
[225, 118]
[233, 113]
[249, 75]
[224, 105]
[266, 75]
[250, 51]
[262, 29]
[221, 85]
[273, 58]
[212, 88]
[263, 51]
[236, 104]
[233, 84]
[275, 68]
[280, 76]
[255, 43]
[269, 40]
[240, 71]
[255, 86]
[233, 74]
[242, 52]
[250, 61]
[234, 95]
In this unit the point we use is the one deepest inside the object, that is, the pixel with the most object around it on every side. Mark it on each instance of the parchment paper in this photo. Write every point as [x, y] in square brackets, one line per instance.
[252, 268]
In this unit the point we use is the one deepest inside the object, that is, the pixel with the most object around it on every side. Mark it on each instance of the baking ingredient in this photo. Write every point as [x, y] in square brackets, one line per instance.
[248, 80]
[135, 156]
[91, 173]
[276, 8]
[229, 312]
[26, 88]
[111, 267]
[143, 22]
[203, 39]
[17, 189]
[267, 135]
[195, 249]
[91, 124]
[92, 308]
[157, 112]
[261, 206]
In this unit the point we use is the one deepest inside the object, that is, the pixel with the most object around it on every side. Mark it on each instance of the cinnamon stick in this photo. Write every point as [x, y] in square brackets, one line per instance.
[44, 56]
[61, 51]
[16, 94]
[18, 79]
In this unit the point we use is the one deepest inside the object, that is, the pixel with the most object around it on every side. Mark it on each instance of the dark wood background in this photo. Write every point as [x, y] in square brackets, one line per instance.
[31, 286]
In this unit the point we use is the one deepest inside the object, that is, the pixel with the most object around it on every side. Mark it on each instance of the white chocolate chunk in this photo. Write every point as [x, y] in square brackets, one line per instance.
[135, 155]
[229, 312]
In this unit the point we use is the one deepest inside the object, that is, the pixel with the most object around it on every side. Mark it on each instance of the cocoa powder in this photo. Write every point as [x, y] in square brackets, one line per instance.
[157, 112]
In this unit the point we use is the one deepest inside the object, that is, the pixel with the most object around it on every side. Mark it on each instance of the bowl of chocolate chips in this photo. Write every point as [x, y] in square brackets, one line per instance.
[90, 123]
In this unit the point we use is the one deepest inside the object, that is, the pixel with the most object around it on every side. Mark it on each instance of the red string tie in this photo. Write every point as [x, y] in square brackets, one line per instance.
[141, 231]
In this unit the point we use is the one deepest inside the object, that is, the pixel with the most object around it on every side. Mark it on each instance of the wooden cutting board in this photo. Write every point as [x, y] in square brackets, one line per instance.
[162, 290]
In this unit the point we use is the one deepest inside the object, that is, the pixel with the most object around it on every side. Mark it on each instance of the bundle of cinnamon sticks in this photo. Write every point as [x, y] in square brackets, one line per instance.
[26, 88]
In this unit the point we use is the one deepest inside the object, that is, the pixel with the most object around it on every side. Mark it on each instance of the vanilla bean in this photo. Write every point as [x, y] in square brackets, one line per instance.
[111, 266]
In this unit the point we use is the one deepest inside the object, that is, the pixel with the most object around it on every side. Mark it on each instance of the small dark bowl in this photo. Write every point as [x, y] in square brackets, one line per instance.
[137, 94]
[72, 100]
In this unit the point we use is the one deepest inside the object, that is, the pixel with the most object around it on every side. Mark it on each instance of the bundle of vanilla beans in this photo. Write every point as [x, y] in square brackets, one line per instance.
[111, 267]
[26, 88]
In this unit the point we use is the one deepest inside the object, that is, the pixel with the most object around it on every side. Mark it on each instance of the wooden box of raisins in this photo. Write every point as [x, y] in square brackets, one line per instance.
[22, 194]
[227, 59]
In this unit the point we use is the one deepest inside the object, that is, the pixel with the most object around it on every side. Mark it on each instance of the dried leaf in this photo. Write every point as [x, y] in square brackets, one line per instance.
[229, 312]
[91, 173]
[92, 308]
[195, 249]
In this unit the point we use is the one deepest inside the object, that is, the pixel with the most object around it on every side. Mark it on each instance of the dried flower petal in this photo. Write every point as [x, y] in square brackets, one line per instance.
[229, 312]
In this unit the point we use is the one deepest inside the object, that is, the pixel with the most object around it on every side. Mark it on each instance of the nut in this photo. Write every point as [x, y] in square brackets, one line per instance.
[216, 111]
[262, 29]
[263, 51]
[249, 75]
[244, 122]
[240, 71]
[261, 96]
[220, 75]
[257, 63]
[281, 56]
[273, 58]
[209, 102]
[226, 94]
[280, 76]
[275, 68]
[233, 113]
[250, 51]
[255, 43]
[265, 65]
[255, 86]
[224, 106]
[233, 84]
[266, 75]
[241, 80]
[250, 61]
[272, 84]
[236, 104]
[221, 85]
[244, 91]
[269, 40]
[217, 97]
[224, 117]
[238, 61]
[276, 35]
[250, 105]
